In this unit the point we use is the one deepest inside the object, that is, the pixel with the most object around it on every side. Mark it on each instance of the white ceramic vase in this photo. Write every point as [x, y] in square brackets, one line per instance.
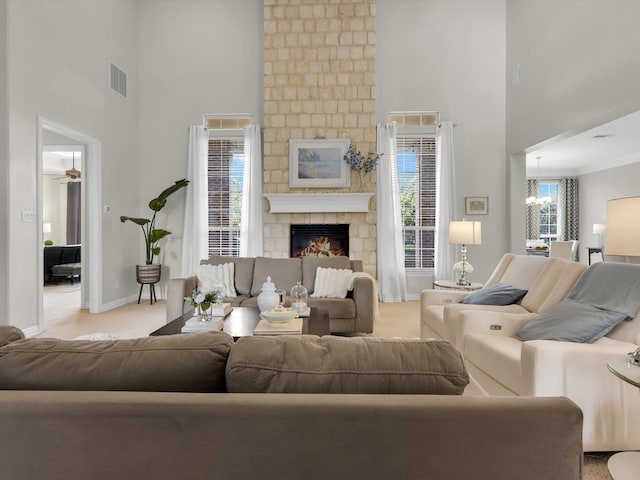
[268, 298]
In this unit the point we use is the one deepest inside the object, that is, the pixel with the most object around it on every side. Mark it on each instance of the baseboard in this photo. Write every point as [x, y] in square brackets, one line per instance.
[31, 331]
[117, 303]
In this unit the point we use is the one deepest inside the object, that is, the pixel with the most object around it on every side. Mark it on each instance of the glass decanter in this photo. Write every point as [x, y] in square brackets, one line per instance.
[299, 296]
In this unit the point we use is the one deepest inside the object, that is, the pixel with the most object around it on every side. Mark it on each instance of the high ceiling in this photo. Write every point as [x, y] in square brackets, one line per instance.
[613, 144]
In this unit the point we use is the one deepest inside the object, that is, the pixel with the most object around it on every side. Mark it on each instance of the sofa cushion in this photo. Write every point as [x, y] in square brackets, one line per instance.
[310, 266]
[496, 294]
[212, 276]
[243, 267]
[284, 272]
[335, 307]
[310, 364]
[173, 363]
[570, 321]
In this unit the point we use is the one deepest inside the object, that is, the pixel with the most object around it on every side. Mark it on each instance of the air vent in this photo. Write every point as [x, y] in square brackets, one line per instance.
[118, 81]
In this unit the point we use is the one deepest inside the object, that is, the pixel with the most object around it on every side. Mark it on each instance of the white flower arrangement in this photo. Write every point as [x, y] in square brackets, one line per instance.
[463, 267]
[202, 300]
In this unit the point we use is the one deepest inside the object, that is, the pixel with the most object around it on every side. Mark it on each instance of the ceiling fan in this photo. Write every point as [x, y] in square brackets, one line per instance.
[73, 173]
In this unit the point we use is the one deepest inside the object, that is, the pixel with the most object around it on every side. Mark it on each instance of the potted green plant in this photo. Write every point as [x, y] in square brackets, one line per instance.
[150, 273]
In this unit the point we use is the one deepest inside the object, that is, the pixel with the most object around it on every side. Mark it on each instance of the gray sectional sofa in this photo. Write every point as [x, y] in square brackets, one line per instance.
[195, 406]
[354, 314]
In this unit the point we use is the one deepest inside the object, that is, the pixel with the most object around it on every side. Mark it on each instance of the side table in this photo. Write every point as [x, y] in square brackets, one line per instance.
[591, 250]
[451, 285]
[625, 465]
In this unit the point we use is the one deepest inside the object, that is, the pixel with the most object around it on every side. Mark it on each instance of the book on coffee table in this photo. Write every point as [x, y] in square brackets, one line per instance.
[194, 325]
[292, 327]
[221, 309]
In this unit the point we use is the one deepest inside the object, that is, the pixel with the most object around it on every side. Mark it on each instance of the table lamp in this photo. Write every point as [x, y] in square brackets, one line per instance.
[623, 227]
[599, 229]
[464, 233]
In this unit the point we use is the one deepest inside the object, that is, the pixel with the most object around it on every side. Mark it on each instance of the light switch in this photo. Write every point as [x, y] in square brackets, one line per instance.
[28, 216]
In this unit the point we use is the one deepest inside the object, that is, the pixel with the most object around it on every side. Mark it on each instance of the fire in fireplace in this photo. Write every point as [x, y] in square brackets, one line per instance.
[319, 240]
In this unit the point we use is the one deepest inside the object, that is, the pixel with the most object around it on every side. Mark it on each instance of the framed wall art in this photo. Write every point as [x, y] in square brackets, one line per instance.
[476, 205]
[318, 163]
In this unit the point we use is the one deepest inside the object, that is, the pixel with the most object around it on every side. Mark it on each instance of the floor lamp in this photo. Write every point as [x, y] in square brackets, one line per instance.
[623, 227]
[464, 233]
[623, 239]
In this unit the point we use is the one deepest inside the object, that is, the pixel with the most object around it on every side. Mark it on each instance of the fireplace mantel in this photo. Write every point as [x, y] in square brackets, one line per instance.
[320, 202]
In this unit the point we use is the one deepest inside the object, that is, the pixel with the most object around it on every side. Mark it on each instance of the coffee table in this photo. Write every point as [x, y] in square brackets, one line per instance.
[243, 320]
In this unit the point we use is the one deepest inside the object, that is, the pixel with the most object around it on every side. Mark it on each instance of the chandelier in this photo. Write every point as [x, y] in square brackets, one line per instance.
[534, 199]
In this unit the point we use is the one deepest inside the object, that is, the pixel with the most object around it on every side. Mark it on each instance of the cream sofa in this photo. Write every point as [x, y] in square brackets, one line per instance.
[547, 281]
[354, 314]
[65, 413]
[504, 364]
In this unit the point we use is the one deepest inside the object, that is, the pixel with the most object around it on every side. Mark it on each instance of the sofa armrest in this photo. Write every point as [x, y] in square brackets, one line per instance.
[579, 371]
[441, 297]
[489, 322]
[452, 314]
[365, 296]
[178, 288]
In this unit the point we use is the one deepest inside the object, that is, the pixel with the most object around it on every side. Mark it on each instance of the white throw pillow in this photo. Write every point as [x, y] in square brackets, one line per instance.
[210, 276]
[331, 282]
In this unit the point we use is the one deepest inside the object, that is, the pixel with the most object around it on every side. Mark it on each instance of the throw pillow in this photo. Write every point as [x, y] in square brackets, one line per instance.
[331, 282]
[497, 294]
[212, 276]
[192, 362]
[571, 322]
[330, 364]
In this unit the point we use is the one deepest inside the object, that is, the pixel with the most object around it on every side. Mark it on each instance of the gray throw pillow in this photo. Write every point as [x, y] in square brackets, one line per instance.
[497, 294]
[572, 322]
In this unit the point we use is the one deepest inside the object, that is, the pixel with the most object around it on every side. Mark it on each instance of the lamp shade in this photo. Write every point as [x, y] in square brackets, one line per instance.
[623, 227]
[465, 233]
[599, 228]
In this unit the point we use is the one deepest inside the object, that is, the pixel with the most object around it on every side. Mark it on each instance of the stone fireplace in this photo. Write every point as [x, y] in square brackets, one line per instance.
[319, 240]
[319, 81]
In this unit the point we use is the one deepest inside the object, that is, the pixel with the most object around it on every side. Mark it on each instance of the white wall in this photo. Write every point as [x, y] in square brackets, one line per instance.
[54, 199]
[59, 69]
[4, 167]
[579, 67]
[195, 58]
[449, 56]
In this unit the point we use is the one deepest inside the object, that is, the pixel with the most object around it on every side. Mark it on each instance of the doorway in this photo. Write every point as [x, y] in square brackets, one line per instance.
[52, 136]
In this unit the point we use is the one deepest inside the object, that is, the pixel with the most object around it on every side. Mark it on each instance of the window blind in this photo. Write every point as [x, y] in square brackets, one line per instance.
[417, 178]
[225, 171]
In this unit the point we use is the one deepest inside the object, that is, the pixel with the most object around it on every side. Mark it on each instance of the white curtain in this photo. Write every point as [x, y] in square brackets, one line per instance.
[195, 241]
[251, 232]
[390, 253]
[445, 201]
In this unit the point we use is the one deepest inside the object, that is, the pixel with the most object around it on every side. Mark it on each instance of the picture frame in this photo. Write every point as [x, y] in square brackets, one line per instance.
[318, 163]
[476, 205]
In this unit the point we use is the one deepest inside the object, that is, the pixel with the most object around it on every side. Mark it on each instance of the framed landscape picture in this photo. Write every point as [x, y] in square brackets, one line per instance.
[476, 205]
[318, 163]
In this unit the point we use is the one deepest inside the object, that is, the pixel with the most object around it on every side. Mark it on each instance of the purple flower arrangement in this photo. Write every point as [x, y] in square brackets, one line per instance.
[357, 161]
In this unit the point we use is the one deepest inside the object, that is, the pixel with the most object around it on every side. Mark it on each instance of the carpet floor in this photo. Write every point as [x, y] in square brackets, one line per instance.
[64, 319]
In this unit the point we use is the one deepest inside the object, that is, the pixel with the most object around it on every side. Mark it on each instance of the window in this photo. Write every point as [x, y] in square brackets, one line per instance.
[416, 152]
[549, 211]
[225, 182]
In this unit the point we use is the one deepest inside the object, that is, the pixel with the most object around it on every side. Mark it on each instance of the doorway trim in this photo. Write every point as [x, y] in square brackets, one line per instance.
[92, 216]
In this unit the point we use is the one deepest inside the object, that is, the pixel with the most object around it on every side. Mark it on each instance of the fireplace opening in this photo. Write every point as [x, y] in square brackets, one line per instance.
[319, 240]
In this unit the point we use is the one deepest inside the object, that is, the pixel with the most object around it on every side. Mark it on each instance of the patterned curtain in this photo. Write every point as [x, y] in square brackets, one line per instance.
[533, 211]
[568, 209]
